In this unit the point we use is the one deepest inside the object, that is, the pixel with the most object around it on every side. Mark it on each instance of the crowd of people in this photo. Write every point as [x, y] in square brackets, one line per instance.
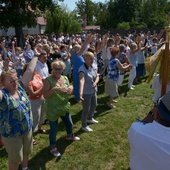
[35, 82]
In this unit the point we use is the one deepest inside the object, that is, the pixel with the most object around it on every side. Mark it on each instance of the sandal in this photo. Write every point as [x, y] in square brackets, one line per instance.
[111, 105]
[114, 101]
[34, 142]
[43, 131]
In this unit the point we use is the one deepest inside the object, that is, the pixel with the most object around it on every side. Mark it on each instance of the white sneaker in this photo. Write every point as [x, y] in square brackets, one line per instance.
[72, 137]
[87, 129]
[95, 111]
[55, 152]
[133, 85]
[131, 88]
[93, 121]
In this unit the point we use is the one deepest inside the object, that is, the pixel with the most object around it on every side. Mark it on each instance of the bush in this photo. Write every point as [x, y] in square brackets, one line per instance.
[124, 26]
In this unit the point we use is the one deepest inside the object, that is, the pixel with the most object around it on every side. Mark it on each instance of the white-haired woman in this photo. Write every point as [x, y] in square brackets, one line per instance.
[77, 61]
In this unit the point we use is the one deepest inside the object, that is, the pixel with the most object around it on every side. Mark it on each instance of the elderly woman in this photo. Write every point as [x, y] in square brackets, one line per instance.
[16, 117]
[88, 88]
[114, 68]
[77, 61]
[56, 92]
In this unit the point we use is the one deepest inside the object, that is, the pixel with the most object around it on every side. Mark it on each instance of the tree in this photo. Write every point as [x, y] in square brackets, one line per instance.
[22, 13]
[86, 7]
[154, 13]
[60, 20]
[101, 14]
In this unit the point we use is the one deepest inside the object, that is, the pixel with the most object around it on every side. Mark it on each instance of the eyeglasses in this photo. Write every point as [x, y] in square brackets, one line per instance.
[14, 81]
[58, 69]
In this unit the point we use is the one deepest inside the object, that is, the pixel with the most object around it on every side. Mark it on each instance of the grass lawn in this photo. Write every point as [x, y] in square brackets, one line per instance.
[106, 148]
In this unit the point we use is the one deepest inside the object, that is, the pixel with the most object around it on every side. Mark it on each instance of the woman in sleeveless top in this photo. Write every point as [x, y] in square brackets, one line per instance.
[56, 92]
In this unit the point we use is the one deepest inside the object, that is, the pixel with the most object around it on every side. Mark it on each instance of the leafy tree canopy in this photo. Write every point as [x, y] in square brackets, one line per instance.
[16, 13]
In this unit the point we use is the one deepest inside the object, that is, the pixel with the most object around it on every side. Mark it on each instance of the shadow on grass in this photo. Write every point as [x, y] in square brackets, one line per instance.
[38, 162]
[3, 153]
[102, 107]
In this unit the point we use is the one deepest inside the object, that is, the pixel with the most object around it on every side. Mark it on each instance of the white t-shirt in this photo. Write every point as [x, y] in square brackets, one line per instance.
[149, 146]
[154, 49]
[42, 69]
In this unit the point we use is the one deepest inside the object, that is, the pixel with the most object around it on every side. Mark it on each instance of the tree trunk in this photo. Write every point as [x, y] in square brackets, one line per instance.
[19, 36]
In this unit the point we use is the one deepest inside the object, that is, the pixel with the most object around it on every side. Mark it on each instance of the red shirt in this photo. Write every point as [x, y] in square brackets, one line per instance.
[36, 84]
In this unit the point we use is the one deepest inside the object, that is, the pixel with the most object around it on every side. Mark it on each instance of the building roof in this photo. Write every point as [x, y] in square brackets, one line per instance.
[41, 21]
[92, 27]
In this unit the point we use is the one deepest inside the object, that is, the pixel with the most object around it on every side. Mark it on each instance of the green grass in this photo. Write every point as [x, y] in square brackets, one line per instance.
[106, 148]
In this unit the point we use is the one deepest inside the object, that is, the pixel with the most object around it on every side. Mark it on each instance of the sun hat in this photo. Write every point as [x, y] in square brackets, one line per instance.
[163, 106]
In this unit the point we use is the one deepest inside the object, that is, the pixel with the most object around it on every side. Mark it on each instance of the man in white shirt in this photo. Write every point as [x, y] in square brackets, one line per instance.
[150, 138]
[41, 67]
[42, 70]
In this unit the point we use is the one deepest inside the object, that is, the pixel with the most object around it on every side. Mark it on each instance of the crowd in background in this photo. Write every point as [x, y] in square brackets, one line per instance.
[84, 59]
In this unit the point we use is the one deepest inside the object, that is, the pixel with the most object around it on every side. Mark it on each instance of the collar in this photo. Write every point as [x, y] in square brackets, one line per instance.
[87, 66]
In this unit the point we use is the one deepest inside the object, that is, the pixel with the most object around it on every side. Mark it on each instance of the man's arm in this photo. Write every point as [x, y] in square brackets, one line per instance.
[149, 117]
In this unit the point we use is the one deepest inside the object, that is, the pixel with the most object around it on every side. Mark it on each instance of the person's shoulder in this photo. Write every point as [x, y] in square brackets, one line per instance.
[137, 125]
[82, 67]
[116, 59]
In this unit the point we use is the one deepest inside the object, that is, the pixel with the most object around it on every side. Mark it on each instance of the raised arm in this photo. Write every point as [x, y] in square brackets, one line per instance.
[13, 48]
[137, 49]
[83, 47]
[26, 78]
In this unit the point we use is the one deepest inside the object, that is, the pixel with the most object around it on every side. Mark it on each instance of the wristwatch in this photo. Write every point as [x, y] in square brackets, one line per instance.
[151, 113]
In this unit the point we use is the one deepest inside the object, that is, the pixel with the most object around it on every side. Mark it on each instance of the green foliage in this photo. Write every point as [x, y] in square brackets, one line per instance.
[101, 13]
[135, 24]
[86, 7]
[22, 13]
[124, 26]
[62, 21]
[138, 13]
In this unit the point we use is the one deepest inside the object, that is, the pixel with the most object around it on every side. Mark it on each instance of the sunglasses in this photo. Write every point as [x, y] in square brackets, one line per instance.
[58, 69]
[14, 81]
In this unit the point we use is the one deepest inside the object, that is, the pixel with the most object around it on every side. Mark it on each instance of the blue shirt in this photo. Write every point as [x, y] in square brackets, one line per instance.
[77, 61]
[15, 113]
[112, 69]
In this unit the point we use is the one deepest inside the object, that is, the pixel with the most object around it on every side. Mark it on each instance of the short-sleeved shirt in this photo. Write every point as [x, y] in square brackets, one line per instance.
[149, 146]
[15, 113]
[122, 58]
[77, 61]
[112, 69]
[133, 59]
[90, 77]
[36, 84]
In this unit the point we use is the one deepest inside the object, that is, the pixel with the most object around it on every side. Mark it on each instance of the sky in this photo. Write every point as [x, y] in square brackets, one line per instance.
[71, 3]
